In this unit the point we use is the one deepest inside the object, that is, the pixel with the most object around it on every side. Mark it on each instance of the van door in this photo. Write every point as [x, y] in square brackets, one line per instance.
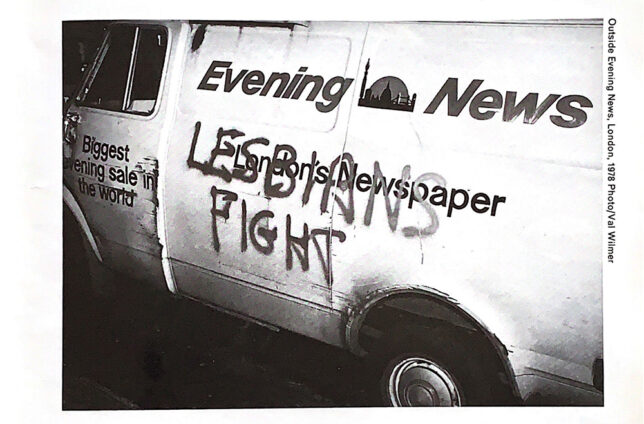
[112, 132]
[277, 100]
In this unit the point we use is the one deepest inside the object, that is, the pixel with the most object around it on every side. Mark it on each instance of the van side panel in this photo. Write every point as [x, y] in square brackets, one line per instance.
[258, 243]
[492, 121]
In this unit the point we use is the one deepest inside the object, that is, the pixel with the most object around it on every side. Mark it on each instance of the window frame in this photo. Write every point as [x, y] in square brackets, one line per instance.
[89, 80]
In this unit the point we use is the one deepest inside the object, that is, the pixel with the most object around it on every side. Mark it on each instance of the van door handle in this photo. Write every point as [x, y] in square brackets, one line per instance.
[72, 118]
[70, 123]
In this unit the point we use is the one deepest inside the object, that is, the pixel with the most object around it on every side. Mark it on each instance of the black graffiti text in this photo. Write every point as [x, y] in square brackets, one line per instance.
[283, 170]
[263, 238]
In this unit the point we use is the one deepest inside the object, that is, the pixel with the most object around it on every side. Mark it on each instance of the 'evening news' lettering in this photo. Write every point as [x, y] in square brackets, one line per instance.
[483, 105]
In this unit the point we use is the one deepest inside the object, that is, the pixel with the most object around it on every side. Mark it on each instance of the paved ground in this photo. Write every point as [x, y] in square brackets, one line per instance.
[145, 349]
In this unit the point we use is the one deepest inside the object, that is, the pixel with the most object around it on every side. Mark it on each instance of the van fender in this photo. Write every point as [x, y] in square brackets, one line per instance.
[77, 212]
[358, 313]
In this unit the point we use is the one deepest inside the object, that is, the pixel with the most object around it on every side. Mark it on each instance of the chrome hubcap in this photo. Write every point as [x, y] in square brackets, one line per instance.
[421, 382]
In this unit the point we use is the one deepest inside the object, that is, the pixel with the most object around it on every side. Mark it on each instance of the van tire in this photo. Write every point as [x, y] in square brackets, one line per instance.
[421, 366]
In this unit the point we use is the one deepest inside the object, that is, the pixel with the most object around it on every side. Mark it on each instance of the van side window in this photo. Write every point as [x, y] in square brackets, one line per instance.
[107, 89]
[129, 73]
[147, 70]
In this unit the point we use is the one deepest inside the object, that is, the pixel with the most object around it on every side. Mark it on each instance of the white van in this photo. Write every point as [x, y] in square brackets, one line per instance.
[424, 194]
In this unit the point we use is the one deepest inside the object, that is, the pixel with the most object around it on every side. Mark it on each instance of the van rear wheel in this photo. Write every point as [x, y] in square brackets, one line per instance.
[418, 380]
[431, 367]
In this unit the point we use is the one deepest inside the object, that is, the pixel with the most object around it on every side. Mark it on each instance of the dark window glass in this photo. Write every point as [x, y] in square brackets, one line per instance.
[148, 68]
[81, 40]
[107, 90]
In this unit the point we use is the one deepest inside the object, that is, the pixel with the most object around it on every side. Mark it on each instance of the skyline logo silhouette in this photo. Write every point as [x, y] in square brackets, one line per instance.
[386, 93]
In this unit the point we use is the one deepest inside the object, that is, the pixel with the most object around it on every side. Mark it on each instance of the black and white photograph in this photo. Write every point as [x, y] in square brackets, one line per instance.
[327, 214]
[432, 245]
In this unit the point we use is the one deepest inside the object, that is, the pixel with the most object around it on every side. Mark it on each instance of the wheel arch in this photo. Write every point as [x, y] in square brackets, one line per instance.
[425, 299]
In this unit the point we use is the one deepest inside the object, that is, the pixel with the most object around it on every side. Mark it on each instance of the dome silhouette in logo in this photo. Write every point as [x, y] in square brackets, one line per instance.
[386, 93]
[394, 87]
